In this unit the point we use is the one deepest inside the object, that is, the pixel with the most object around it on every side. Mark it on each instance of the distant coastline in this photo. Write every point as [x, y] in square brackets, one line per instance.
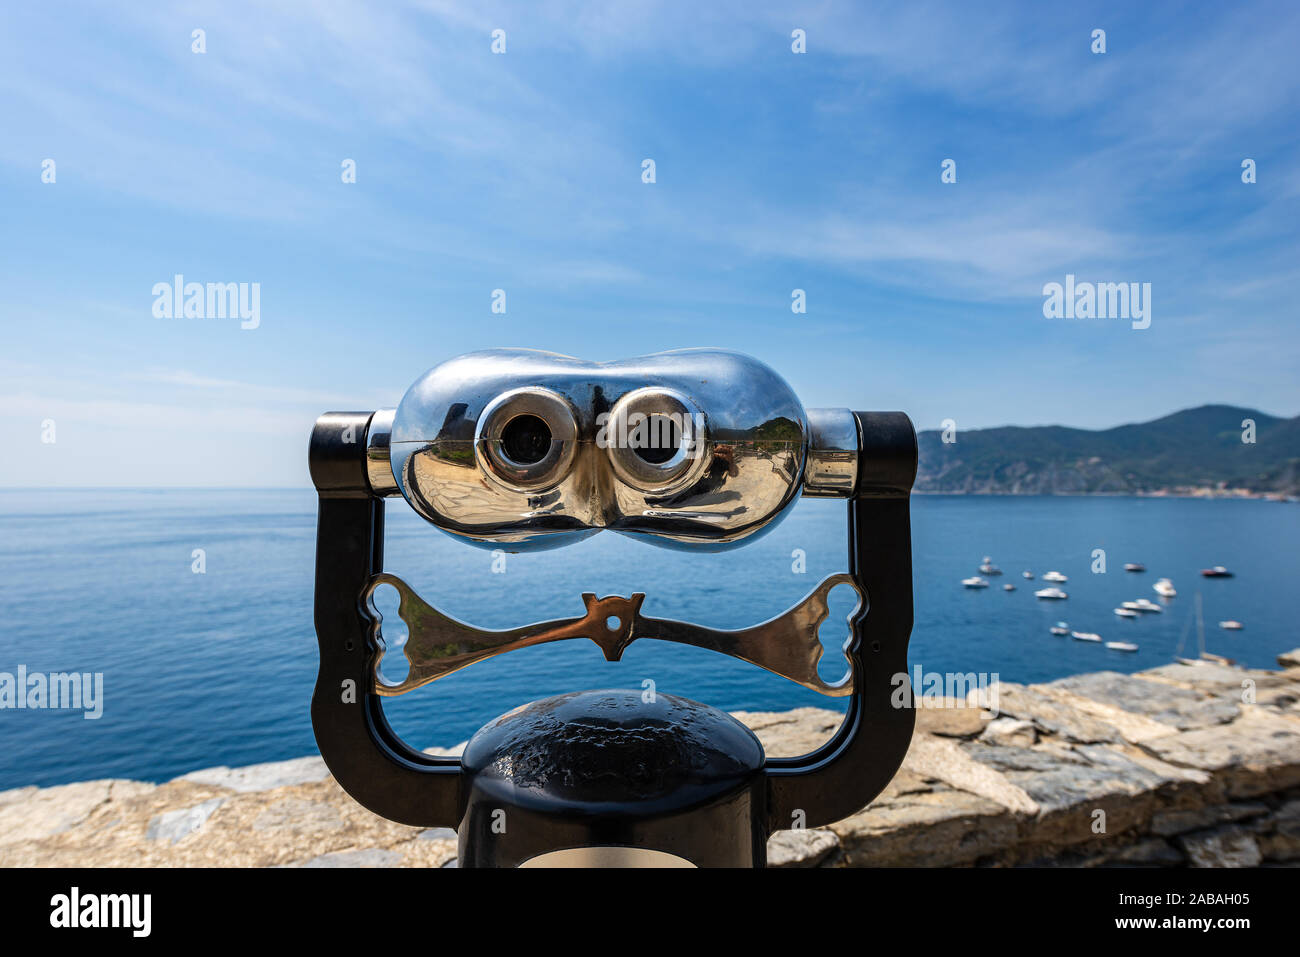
[1202, 493]
[1214, 451]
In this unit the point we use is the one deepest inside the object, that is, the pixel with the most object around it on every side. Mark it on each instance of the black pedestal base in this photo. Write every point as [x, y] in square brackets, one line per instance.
[627, 776]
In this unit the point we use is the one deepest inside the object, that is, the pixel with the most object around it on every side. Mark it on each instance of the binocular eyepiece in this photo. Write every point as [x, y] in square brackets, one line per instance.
[526, 439]
[524, 450]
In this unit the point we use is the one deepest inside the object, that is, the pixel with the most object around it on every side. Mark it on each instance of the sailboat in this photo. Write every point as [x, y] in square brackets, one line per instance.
[1203, 656]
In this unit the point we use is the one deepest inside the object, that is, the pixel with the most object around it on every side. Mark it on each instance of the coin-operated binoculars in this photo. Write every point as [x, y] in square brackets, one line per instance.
[696, 449]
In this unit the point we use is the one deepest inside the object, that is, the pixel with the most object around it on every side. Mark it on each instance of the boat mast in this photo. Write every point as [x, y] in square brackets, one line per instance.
[1200, 626]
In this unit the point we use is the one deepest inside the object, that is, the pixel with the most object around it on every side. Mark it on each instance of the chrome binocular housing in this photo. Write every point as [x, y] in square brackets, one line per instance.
[525, 450]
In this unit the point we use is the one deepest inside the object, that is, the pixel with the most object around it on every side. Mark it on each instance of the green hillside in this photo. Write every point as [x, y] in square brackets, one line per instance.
[1195, 448]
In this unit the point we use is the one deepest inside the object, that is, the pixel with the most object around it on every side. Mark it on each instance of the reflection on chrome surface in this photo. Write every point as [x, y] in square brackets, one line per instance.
[519, 449]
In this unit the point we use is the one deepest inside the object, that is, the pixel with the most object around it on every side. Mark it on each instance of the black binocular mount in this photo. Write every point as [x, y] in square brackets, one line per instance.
[608, 777]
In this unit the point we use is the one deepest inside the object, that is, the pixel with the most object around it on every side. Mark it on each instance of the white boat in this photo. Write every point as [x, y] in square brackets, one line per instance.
[1134, 567]
[1060, 628]
[1028, 575]
[1164, 588]
[1231, 625]
[1053, 593]
[1130, 605]
[1055, 577]
[1008, 587]
[975, 582]
[1126, 612]
[1121, 646]
[1146, 604]
[1085, 636]
[988, 568]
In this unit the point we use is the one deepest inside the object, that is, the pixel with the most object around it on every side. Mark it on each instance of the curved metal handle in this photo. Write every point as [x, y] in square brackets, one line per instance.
[846, 773]
[367, 759]
[438, 645]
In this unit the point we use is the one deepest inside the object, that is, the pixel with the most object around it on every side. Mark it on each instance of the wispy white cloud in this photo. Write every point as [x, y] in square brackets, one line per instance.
[477, 171]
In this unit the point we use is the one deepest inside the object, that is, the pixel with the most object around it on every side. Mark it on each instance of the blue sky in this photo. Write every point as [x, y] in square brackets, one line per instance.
[522, 172]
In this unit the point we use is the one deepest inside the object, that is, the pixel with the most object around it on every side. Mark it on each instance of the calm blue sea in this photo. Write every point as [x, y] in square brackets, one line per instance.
[218, 668]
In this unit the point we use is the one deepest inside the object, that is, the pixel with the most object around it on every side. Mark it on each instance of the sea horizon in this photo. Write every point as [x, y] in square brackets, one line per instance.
[104, 581]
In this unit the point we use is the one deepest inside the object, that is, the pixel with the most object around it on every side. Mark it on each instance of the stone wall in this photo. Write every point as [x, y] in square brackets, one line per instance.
[1181, 765]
